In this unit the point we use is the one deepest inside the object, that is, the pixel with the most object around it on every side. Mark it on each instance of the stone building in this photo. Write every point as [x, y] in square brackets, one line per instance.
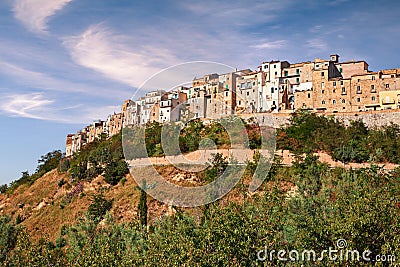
[68, 146]
[321, 85]
[147, 109]
[129, 110]
[171, 106]
[115, 124]
[247, 91]
[95, 130]
[75, 142]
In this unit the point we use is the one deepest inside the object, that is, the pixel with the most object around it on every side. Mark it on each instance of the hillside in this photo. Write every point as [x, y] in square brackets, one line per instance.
[44, 209]
[88, 211]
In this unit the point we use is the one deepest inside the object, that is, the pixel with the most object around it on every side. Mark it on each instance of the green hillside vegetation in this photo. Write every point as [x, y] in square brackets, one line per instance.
[304, 206]
[356, 143]
[361, 206]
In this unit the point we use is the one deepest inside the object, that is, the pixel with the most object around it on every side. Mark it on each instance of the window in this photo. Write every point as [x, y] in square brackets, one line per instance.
[309, 95]
[358, 99]
[358, 90]
[322, 91]
[340, 70]
[323, 102]
[254, 83]
[274, 66]
[297, 80]
[333, 101]
[297, 71]
[226, 93]
[317, 66]
[387, 85]
[248, 84]
[272, 90]
[373, 78]
[276, 73]
[373, 98]
[372, 88]
[387, 99]
[240, 102]
[242, 86]
[286, 73]
[322, 74]
[343, 90]
[334, 83]
[358, 80]
[247, 93]
[341, 82]
[265, 66]
[322, 85]
[343, 101]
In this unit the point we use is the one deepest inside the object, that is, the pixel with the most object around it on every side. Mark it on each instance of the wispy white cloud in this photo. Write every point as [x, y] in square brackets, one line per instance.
[114, 56]
[317, 44]
[38, 106]
[271, 45]
[239, 13]
[337, 2]
[24, 105]
[35, 14]
[44, 81]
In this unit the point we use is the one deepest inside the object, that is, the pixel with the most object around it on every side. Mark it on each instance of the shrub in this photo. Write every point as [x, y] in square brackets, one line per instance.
[115, 171]
[64, 165]
[98, 208]
[61, 182]
[3, 188]
[8, 236]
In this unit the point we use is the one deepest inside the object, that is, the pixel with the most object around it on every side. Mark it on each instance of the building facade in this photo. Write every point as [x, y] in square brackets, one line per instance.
[322, 85]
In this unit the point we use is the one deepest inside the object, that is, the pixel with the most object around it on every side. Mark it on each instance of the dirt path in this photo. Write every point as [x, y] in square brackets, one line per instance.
[325, 158]
[201, 157]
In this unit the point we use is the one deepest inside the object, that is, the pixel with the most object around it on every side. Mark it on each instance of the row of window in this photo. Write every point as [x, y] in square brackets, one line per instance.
[286, 73]
[344, 100]
[358, 88]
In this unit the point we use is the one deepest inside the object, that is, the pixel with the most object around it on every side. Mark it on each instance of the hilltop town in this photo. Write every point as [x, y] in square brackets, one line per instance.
[325, 86]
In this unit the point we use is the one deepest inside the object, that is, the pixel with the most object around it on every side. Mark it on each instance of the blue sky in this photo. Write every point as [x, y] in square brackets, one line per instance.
[65, 63]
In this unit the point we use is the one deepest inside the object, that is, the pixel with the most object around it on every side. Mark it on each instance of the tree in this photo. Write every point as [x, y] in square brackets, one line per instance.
[115, 171]
[216, 167]
[8, 236]
[142, 206]
[99, 207]
[3, 188]
[48, 162]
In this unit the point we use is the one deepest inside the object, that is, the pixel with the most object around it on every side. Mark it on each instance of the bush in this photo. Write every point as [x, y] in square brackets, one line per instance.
[3, 188]
[48, 162]
[8, 236]
[61, 182]
[64, 165]
[115, 171]
[98, 208]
